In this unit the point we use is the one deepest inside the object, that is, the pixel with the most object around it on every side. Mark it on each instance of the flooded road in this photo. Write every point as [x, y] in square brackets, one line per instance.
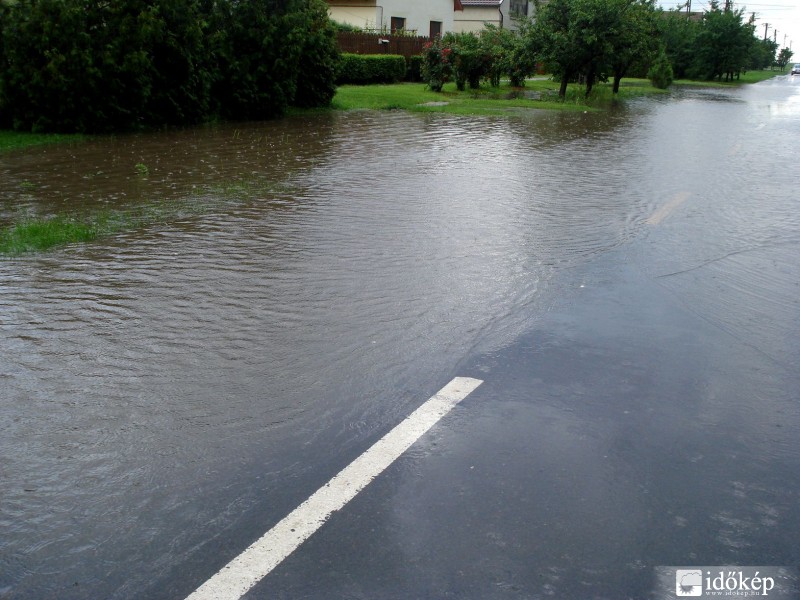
[168, 391]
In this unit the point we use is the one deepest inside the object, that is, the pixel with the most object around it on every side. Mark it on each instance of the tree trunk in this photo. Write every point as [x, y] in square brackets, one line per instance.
[562, 91]
[617, 79]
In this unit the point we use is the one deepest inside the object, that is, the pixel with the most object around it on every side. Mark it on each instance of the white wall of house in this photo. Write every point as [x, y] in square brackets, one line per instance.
[354, 12]
[418, 14]
[474, 18]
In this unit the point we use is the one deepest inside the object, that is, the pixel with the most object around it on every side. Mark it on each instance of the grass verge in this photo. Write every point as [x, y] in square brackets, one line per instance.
[744, 79]
[13, 140]
[504, 100]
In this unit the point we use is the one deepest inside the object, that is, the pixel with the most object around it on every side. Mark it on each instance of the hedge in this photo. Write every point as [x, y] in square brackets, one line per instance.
[80, 66]
[371, 68]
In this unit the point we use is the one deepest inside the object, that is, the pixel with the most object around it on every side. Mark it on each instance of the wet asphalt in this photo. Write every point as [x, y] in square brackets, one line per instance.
[623, 433]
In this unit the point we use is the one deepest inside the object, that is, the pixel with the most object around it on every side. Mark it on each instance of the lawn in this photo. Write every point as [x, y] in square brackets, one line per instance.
[744, 78]
[504, 100]
[539, 93]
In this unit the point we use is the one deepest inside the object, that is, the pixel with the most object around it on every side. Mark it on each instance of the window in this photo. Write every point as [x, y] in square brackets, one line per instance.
[436, 29]
[398, 24]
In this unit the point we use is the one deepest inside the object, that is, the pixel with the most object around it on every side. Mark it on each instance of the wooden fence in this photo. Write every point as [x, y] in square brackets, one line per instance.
[369, 43]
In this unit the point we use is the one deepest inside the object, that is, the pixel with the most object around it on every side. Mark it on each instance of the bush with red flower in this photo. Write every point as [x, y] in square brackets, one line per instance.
[437, 63]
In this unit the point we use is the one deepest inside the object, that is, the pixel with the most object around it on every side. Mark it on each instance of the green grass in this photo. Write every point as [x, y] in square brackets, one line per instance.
[504, 101]
[37, 234]
[417, 98]
[540, 93]
[31, 235]
[744, 78]
[13, 140]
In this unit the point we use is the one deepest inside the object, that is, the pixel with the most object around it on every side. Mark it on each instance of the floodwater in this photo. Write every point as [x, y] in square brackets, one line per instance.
[308, 282]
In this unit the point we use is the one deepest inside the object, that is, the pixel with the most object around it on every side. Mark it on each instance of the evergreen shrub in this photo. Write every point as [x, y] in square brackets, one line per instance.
[365, 69]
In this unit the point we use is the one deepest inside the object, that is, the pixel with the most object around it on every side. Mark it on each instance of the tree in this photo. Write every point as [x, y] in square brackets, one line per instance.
[319, 57]
[557, 39]
[510, 53]
[635, 41]
[660, 72]
[678, 33]
[723, 43]
[762, 54]
[576, 37]
[784, 56]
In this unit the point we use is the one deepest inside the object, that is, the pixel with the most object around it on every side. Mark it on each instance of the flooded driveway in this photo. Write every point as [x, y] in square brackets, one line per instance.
[626, 284]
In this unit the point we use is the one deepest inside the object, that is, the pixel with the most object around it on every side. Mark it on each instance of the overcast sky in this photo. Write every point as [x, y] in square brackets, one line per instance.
[783, 15]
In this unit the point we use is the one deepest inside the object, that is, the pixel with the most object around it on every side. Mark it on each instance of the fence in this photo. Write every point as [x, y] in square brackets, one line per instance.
[369, 43]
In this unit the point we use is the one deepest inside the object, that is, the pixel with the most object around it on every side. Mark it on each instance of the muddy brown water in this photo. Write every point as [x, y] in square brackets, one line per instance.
[310, 280]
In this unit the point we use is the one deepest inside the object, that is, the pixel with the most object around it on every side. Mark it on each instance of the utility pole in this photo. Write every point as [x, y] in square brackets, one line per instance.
[766, 26]
[775, 37]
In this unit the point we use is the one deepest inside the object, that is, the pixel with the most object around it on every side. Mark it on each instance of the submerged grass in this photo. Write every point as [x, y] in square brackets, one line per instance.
[30, 234]
[37, 234]
[33, 235]
[13, 140]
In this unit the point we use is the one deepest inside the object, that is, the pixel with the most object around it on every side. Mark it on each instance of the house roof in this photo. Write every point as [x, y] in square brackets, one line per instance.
[481, 2]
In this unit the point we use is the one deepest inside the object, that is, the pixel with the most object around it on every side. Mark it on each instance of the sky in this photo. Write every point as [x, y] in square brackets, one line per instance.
[783, 15]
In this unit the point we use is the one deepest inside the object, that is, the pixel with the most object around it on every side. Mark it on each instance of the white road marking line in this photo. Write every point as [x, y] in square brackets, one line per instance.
[256, 562]
[665, 211]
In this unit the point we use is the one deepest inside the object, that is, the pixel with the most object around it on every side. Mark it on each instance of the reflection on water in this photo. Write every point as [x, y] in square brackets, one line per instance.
[337, 259]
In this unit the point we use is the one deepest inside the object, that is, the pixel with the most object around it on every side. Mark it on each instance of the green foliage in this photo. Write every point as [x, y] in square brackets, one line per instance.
[79, 66]
[634, 41]
[784, 56]
[69, 65]
[256, 51]
[490, 55]
[371, 68]
[414, 72]
[762, 54]
[723, 43]
[469, 60]
[660, 73]
[679, 36]
[577, 37]
[718, 44]
[437, 64]
[319, 56]
[346, 27]
[510, 53]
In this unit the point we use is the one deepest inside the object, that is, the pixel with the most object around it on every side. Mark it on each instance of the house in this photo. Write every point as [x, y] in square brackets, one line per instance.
[428, 17]
[473, 15]
[423, 17]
